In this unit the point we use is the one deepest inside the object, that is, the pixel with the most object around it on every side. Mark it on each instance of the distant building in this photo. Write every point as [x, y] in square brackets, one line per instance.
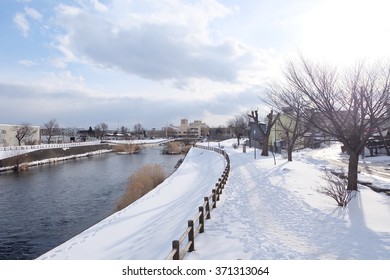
[192, 130]
[256, 136]
[8, 134]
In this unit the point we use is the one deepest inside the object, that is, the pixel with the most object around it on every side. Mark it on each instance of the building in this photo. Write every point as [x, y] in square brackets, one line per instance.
[192, 130]
[28, 135]
[256, 137]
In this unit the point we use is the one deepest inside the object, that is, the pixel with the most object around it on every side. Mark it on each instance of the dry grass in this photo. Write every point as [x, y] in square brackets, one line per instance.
[177, 148]
[140, 183]
[127, 148]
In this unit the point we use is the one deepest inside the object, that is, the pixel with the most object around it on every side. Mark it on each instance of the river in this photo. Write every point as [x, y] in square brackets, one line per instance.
[44, 206]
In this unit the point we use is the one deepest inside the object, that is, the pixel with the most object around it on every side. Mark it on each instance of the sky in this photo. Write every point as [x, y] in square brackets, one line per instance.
[122, 62]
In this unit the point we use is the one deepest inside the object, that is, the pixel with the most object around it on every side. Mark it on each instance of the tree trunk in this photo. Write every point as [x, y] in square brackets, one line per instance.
[238, 140]
[353, 170]
[289, 153]
[264, 152]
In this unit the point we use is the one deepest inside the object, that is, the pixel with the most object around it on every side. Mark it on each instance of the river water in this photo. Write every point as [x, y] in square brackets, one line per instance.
[47, 205]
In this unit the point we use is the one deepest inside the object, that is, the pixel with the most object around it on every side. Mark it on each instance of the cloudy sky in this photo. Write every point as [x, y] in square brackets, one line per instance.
[153, 62]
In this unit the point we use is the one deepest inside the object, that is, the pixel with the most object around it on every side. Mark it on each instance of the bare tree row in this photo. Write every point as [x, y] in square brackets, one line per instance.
[345, 104]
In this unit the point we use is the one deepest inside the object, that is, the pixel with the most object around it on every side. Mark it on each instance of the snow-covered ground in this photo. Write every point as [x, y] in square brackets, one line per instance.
[276, 212]
[267, 211]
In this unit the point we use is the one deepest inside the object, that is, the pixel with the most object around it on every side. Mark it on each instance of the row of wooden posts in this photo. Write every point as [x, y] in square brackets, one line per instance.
[186, 243]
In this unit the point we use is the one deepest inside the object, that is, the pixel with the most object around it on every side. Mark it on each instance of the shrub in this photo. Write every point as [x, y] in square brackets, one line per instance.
[127, 148]
[235, 145]
[336, 188]
[140, 183]
[174, 148]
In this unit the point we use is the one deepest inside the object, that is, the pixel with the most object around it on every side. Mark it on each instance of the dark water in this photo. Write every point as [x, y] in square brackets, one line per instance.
[45, 206]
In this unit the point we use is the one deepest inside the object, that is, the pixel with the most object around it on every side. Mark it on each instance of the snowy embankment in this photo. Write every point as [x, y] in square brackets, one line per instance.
[10, 151]
[146, 228]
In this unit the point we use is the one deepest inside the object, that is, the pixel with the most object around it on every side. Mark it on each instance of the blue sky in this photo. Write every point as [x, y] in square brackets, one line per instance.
[124, 62]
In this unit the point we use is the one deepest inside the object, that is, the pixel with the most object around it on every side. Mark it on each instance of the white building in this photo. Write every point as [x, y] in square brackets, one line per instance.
[192, 130]
[9, 132]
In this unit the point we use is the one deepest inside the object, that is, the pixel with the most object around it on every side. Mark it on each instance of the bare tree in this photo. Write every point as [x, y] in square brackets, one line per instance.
[240, 126]
[124, 132]
[271, 120]
[101, 130]
[51, 128]
[347, 106]
[292, 121]
[23, 131]
[138, 129]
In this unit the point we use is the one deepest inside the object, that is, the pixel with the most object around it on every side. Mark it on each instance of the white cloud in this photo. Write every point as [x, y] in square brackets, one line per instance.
[32, 13]
[22, 22]
[99, 6]
[155, 40]
[27, 63]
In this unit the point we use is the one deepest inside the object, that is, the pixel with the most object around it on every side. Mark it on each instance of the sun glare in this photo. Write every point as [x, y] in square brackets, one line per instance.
[346, 31]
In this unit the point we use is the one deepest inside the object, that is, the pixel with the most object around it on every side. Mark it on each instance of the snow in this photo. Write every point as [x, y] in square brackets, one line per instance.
[267, 212]
[276, 212]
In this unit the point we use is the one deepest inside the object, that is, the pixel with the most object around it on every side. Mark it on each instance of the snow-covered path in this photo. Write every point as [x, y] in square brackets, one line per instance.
[265, 214]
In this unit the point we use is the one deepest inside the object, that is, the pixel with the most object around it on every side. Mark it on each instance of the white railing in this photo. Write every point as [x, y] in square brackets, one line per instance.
[47, 146]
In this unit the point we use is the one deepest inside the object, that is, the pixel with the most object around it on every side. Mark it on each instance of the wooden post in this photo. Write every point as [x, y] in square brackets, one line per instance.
[191, 236]
[217, 190]
[214, 198]
[201, 219]
[208, 215]
[176, 246]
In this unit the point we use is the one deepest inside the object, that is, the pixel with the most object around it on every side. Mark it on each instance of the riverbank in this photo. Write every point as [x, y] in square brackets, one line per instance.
[19, 158]
[46, 156]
